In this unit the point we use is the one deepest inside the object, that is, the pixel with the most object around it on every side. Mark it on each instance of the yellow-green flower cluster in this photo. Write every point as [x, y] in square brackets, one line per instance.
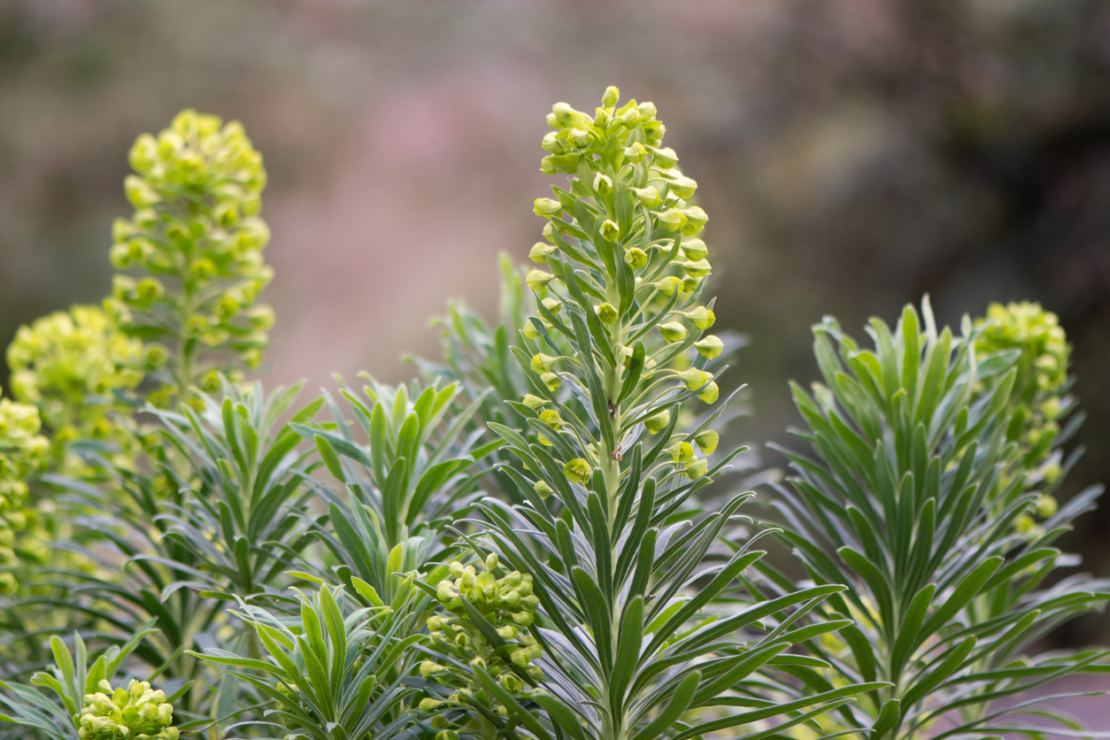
[74, 366]
[22, 452]
[196, 194]
[1042, 367]
[1038, 400]
[134, 713]
[684, 456]
[508, 604]
[622, 265]
[628, 203]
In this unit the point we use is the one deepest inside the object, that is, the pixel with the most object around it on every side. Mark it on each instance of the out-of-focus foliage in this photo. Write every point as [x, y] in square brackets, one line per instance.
[23, 451]
[79, 370]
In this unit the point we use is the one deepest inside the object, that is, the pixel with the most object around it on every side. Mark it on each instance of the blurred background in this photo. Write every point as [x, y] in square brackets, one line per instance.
[852, 155]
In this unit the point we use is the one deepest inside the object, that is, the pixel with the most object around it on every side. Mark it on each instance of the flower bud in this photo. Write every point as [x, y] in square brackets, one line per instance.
[709, 346]
[148, 290]
[440, 721]
[682, 186]
[696, 219]
[631, 118]
[202, 269]
[1046, 507]
[554, 305]
[538, 279]
[435, 624]
[428, 704]
[534, 402]
[635, 152]
[492, 561]
[542, 363]
[210, 381]
[694, 378]
[542, 489]
[138, 192]
[664, 158]
[552, 381]
[701, 317]
[673, 331]
[667, 285]
[707, 441]
[508, 632]
[657, 422]
[694, 249]
[697, 469]
[576, 470]
[567, 117]
[690, 284]
[156, 355]
[611, 96]
[445, 592]
[552, 419]
[522, 619]
[698, 269]
[647, 110]
[606, 313]
[510, 683]
[546, 207]
[580, 137]
[682, 452]
[553, 143]
[672, 218]
[648, 196]
[603, 185]
[539, 252]
[636, 258]
[710, 394]
[609, 230]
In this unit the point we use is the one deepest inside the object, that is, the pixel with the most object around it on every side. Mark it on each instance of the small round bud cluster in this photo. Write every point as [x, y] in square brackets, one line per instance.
[1038, 396]
[196, 194]
[77, 367]
[508, 603]
[505, 600]
[685, 458]
[134, 713]
[1042, 366]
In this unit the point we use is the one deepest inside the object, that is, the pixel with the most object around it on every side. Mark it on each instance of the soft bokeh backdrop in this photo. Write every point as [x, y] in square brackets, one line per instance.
[852, 155]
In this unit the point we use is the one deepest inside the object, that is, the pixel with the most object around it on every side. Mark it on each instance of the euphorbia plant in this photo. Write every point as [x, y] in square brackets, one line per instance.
[923, 498]
[625, 567]
[388, 583]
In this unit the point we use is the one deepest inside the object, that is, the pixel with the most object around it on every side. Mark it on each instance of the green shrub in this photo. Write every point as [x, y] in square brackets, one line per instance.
[541, 537]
